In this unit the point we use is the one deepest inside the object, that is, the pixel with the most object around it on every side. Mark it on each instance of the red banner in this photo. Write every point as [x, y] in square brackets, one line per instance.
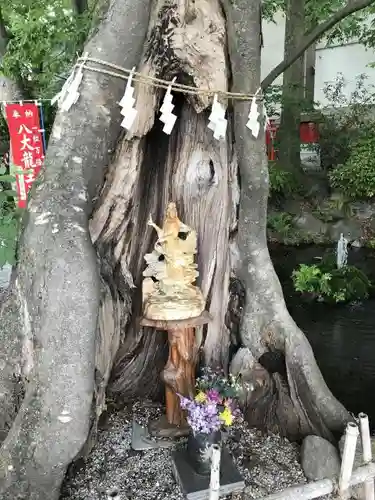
[26, 140]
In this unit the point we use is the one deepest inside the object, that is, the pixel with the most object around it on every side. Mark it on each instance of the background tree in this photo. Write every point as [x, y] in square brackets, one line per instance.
[80, 6]
[305, 24]
[293, 89]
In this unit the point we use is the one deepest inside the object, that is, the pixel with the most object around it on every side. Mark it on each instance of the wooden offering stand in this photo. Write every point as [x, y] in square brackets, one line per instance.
[179, 372]
[173, 303]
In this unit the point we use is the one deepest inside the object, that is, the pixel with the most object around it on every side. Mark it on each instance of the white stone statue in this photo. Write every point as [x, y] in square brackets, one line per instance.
[342, 251]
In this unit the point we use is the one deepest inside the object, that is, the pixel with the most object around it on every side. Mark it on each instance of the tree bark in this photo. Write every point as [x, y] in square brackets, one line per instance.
[293, 88]
[57, 285]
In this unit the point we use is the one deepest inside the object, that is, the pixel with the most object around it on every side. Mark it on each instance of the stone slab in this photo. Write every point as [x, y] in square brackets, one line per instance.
[141, 439]
[196, 487]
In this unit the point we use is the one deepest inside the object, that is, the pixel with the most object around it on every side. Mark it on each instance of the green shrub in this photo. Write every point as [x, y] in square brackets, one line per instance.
[10, 218]
[282, 182]
[344, 120]
[326, 283]
[356, 178]
[281, 223]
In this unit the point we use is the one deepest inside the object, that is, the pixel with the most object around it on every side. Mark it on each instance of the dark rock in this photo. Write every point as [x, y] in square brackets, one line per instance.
[332, 210]
[292, 206]
[310, 224]
[363, 210]
[319, 458]
[316, 187]
[350, 228]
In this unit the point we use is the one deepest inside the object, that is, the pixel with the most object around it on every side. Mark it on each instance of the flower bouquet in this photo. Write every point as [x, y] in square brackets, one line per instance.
[213, 408]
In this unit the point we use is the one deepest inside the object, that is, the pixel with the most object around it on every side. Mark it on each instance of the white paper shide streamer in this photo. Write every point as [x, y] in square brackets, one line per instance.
[266, 118]
[167, 117]
[253, 122]
[69, 94]
[127, 104]
[217, 121]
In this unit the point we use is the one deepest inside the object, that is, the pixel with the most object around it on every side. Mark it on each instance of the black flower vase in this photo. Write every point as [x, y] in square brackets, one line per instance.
[198, 447]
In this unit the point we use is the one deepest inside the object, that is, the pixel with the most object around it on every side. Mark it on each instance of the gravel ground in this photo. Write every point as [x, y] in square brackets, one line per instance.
[267, 463]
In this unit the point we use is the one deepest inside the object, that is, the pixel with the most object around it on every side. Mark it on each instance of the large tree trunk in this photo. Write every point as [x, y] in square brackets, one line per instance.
[77, 321]
[267, 324]
[57, 290]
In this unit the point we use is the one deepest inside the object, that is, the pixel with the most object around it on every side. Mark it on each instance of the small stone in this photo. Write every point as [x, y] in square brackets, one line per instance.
[319, 458]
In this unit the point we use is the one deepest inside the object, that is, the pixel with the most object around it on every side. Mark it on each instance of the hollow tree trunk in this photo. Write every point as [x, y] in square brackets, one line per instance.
[200, 174]
[76, 320]
[150, 169]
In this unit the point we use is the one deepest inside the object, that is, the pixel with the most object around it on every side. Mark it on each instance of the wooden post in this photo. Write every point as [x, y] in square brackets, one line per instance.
[179, 372]
[367, 453]
[347, 462]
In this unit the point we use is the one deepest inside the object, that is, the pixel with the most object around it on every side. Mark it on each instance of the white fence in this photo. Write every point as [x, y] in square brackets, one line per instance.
[339, 486]
[348, 478]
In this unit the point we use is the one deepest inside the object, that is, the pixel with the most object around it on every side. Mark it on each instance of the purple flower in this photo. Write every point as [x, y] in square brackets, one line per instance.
[202, 417]
[184, 402]
[213, 395]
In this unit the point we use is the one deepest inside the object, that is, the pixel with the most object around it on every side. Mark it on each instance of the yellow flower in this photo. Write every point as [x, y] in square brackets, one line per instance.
[226, 416]
[200, 397]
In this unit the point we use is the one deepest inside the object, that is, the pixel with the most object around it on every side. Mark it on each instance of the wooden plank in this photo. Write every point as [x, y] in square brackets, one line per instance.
[203, 319]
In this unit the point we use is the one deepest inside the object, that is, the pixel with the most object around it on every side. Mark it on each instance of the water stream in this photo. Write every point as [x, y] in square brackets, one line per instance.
[343, 337]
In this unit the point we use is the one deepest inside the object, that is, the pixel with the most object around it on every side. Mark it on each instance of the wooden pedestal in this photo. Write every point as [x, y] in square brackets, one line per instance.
[179, 372]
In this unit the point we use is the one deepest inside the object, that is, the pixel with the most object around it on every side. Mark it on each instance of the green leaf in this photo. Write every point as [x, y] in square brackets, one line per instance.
[7, 178]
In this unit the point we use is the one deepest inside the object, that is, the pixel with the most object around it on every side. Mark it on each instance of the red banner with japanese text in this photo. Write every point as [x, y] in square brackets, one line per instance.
[26, 138]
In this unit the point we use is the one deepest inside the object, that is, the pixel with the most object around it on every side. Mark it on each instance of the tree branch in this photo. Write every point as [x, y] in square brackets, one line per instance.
[3, 36]
[9, 89]
[80, 6]
[315, 34]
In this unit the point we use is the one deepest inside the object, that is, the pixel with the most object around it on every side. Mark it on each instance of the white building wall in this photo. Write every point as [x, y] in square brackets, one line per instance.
[351, 60]
[273, 50]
